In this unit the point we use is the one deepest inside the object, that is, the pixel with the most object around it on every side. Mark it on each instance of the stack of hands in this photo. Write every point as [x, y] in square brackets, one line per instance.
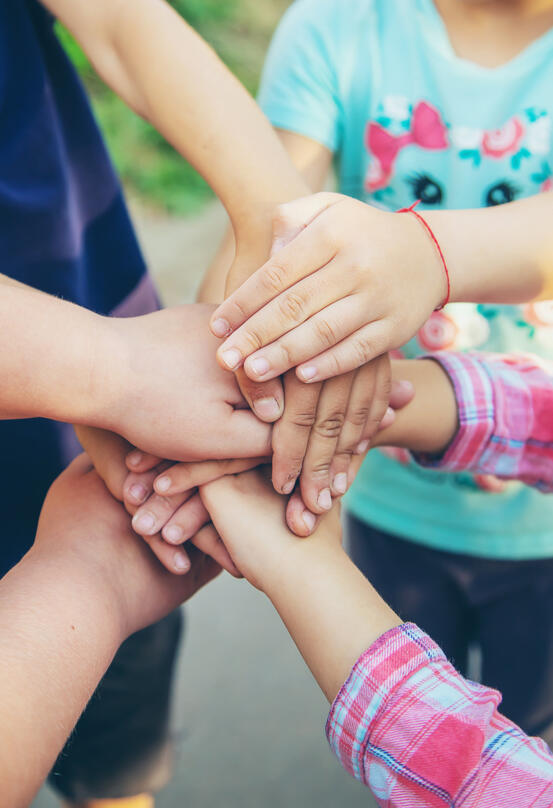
[301, 380]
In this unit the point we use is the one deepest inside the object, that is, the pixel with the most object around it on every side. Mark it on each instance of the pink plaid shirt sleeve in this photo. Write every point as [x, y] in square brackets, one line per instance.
[505, 417]
[419, 735]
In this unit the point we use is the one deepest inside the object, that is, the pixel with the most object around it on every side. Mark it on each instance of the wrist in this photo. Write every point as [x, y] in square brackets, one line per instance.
[447, 232]
[425, 247]
[430, 421]
[108, 370]
[253, 230]
[287, 572]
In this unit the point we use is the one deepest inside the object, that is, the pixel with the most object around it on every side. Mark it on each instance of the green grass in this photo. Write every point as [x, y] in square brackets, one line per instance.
[239, 30]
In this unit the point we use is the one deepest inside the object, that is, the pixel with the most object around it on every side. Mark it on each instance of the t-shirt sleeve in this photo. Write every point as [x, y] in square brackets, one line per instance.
[300, 84]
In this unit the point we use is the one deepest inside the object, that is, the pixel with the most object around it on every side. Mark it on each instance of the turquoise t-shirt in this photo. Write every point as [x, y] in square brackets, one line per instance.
[378, 83]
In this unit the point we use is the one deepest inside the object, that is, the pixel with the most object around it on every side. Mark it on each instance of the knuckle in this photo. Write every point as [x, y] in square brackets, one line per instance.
[354, 274]
[342, 458]
[325, 333]
[386, 388]
[319, 468]
[238, 311]
[304, 419]
[330, 426]
[274, 278]
[364, 350]
[333, 365]
[358, 416]
[329, 235]
[292, 306]
[160, 505]
[286, 354]
[253, 337]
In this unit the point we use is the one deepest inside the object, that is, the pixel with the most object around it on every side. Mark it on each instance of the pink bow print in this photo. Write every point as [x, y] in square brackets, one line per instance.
[427, 131]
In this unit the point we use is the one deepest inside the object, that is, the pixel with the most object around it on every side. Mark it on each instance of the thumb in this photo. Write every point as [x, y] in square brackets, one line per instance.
[293, 217]
[266, 399]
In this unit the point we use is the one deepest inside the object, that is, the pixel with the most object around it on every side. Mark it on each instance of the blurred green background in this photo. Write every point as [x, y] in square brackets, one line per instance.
[240, 31]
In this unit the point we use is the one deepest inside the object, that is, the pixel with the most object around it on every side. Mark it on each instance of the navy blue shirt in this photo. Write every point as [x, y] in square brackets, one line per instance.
[64, 229]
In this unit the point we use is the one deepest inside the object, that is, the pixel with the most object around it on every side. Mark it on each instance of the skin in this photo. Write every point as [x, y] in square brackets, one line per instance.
[118, 39]
[161, 379]
[347, 408]
[492, 32]
[56, 642]
[501, 255]
[334, 254]
[312, 583]
[425, 419]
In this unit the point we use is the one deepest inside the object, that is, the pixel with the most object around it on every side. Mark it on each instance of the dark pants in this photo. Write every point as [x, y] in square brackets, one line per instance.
[121, 745]
[502, 608]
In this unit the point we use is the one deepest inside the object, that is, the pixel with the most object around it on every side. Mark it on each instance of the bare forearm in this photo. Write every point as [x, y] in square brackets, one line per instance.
[331, 611]
[49, 357]
[499, 255]
[169, 75]
[429, 422]
[212, 289]
[57, 638]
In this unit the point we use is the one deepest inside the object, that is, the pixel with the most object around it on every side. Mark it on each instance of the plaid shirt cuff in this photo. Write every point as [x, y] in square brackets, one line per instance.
[388, 663]
[474, 393]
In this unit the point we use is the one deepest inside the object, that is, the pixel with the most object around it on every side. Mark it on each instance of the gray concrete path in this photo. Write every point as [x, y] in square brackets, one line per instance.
[252, 717]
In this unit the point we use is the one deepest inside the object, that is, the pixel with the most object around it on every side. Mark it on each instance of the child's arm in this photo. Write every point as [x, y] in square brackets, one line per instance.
[383, 281]
[484, 413]
[405, 722]
[164, 71]
[487, 413]
[155, 62]
[63, 362]
[86, 585]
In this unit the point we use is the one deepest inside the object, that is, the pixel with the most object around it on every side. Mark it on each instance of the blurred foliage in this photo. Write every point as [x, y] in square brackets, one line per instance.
[240, 31]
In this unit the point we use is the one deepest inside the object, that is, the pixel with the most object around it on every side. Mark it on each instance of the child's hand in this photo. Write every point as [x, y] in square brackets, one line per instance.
[170, 397]
[82, 521]
[318, 448]
[351, 283]
[251, 520]
[108, 453]
[168, 510]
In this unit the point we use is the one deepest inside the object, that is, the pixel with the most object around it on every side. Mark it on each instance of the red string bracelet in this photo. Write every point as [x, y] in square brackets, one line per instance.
[430, 232]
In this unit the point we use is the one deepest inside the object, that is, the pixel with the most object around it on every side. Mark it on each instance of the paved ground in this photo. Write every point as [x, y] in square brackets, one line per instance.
[253, 719]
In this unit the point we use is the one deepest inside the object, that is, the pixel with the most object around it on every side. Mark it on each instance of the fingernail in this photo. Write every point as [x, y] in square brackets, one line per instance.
[405, 385]
[181, 562]
[308, 373]
[143, 523]
[134, 458]
[362, 447]
[259, 366]
[172, 534]
[340, 483]
[309, 520]
[138, 492]
[289, 487]
[388, 419]
[266, 408]
[163, 484]
[324, 500]
[220, 327]
[232, 358]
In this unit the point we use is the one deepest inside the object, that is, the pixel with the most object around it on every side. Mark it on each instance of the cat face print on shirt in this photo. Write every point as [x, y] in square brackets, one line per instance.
[414, 154]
